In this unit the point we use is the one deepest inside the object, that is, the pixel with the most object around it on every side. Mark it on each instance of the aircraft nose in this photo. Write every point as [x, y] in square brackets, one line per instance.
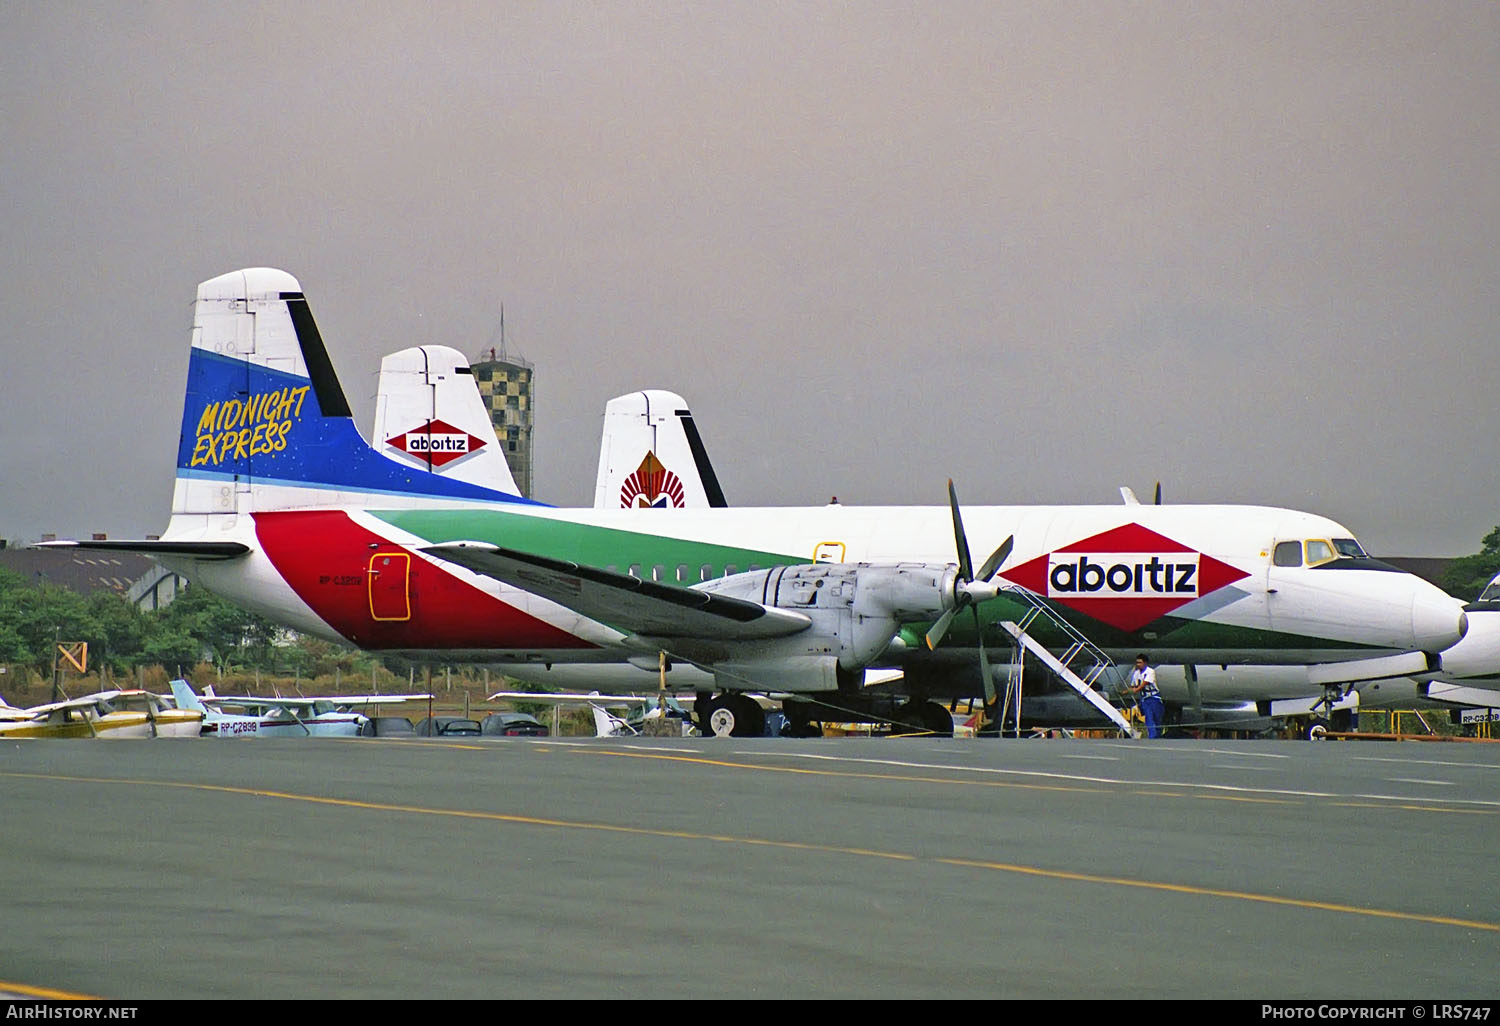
[1438, 621]
[1478, 655]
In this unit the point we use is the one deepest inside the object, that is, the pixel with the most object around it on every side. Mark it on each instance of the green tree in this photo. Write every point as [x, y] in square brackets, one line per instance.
[34, 616]
[231, 635]
[116, 631]
[172, 646]
[1466, 576]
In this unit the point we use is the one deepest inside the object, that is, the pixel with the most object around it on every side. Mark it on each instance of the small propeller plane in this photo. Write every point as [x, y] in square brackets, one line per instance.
[638, 709]
[281, 506]
[247, 716]
[106, 714]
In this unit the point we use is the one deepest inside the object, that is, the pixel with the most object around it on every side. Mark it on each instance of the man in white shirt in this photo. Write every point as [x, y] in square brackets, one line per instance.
[1143, 686]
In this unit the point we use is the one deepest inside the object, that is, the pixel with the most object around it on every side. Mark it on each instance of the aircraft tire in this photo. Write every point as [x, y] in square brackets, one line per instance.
[907, 720]
[802, 728]
[718, 717]
[936, 719]
[750, 716]
[730, 715]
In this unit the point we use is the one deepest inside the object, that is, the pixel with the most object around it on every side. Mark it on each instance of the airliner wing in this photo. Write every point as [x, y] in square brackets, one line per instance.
[311, 701]
[626, 603]
[351, 701]
[579, 698]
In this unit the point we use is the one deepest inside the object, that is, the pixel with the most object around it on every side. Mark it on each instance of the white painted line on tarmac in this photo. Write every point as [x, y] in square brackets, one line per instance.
[660, 748]
[1428, 762]
[1237, 753]
[1248, 769]
[1097, 758]
[1415, 780]
[1122, 782]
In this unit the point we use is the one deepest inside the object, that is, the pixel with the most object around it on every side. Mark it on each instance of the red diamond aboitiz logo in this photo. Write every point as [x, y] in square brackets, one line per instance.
[436, 443]
[1125, 577]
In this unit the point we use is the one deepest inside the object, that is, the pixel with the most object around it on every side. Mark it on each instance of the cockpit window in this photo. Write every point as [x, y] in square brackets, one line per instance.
[1318, 551]
[1288, 553]
[1350, 549]
[1491, 593]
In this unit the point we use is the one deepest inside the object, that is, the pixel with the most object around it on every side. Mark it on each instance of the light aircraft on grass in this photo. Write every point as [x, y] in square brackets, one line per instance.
[281, 506]
[248, 716]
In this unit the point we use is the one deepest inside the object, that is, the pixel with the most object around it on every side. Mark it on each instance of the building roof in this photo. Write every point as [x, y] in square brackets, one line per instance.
[83, 571]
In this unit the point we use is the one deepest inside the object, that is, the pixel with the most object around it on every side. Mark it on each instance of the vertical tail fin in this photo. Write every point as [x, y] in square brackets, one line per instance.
[429, 415]
[651, 456]
[185, 697]
[266, 424]
[607, 724]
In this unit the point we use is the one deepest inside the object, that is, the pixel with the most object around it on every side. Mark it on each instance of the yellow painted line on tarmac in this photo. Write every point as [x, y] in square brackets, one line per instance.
[498, 817]
[415, 743]
[1414, 808]
[761, 842]
[6, 987]
[1214, 892]
[1239, 798]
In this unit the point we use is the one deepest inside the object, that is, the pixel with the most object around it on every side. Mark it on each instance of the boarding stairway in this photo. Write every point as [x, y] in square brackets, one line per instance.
[1080, 666]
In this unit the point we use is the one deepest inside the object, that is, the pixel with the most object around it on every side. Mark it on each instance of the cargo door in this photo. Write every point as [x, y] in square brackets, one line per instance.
[389, 582]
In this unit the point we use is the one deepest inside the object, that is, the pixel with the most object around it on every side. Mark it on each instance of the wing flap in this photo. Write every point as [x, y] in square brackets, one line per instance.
[626, 603]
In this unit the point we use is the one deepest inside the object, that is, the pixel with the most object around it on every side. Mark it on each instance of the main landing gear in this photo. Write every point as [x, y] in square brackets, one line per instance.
[729, 715]
[734, 715]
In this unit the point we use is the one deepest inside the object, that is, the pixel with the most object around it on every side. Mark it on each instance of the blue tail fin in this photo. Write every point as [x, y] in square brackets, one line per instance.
[266, 424]
[185, 697]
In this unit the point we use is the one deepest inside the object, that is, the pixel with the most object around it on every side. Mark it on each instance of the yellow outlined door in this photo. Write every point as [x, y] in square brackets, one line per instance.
[390, 586]
[829, 552]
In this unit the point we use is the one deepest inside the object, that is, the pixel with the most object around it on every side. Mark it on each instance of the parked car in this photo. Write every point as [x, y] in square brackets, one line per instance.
[447, 726]
[387, 726]
[513, 724]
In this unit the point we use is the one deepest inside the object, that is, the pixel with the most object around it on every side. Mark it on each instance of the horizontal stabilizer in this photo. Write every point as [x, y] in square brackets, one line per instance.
[626, 603]
[188, 549]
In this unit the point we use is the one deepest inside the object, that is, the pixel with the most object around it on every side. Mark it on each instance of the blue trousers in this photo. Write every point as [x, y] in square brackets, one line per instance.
[1152, 709]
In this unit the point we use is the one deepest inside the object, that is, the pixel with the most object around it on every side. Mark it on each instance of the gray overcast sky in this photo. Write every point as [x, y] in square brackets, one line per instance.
[1248, 249]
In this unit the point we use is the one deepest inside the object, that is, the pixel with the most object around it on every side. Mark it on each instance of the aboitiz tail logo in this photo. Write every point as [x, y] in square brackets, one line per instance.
[1126, 577]
[652, 486]
[436, 444]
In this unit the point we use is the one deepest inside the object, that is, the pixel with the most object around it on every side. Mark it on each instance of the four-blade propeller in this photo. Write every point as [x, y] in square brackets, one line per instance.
[970, 589]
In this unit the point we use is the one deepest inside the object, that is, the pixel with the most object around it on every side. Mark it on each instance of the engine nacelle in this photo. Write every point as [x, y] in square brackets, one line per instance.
[856, 608]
